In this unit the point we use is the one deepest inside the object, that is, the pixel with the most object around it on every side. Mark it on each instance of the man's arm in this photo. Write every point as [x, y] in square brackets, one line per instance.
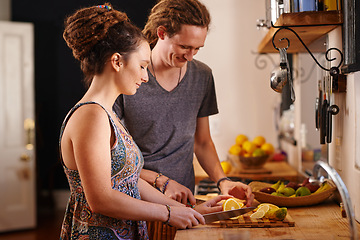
[207, 156]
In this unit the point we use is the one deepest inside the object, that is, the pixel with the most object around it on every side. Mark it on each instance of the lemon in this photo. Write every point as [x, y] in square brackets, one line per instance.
[261, 210]
[258, 153]
[268, 148]
[277, 214]
[264, 208]
[235, 150]
[259, 141]
[270, 205]
[231, 204]
[240, 139]
[257, 214]
[226, 166]
[249, 147]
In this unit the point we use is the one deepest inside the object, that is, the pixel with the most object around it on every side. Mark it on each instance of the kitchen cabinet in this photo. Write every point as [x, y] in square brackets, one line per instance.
[322, 221]
[306, 24]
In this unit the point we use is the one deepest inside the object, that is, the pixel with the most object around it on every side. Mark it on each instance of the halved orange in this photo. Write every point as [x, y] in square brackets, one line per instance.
[231, 204]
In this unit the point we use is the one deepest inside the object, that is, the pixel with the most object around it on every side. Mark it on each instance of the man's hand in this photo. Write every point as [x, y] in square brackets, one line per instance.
[238, 190]
[179, 193]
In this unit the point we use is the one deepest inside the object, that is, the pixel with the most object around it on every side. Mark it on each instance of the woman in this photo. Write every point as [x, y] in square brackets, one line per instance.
[100, 158]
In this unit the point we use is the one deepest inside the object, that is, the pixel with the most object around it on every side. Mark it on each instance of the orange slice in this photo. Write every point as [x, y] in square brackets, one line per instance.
[231, 204]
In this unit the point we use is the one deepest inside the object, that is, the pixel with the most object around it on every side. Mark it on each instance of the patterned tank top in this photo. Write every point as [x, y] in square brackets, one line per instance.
[126, 163]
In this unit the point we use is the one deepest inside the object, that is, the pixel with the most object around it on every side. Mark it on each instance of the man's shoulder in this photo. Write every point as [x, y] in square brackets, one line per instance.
[200, 66]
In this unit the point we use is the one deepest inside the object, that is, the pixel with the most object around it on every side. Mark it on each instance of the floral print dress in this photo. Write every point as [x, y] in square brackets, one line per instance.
[126, 163]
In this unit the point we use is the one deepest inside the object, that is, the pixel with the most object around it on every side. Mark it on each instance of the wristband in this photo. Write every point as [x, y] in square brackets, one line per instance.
[165, 185]
[154, 184]
[220, 180]
[169, 211]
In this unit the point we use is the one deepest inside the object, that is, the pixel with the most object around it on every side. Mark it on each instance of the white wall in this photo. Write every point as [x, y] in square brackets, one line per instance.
[246, 101]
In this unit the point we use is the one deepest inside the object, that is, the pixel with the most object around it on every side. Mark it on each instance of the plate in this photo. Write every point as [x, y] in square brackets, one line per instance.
[289, 201]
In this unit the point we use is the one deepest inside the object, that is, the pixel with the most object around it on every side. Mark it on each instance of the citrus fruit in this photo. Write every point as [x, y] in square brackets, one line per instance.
[270, 205]
[258, 153]
[231, 204]
[226, 166]
[249, 147]
[277, 214]
[268, 148]
[264, 208]
[259, 141]
[257, 214]
[235, 150]
[240, 139]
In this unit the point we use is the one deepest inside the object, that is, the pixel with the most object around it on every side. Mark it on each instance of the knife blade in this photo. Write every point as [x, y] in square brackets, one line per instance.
[212, 217]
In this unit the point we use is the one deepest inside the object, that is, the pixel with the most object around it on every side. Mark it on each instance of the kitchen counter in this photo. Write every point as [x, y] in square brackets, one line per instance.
[322, 221]
[273, 171]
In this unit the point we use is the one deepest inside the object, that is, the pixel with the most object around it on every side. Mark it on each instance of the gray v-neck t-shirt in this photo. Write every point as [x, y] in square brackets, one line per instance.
[163, 123]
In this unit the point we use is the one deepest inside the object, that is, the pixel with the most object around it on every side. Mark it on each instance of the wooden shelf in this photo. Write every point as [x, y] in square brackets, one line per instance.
[305, 25]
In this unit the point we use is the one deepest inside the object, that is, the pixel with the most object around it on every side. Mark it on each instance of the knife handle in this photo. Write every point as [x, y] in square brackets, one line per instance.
[323, 121]
[332, 110]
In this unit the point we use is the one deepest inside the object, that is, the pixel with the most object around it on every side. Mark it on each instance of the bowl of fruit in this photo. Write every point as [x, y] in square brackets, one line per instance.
[250, 154]
[293, 194]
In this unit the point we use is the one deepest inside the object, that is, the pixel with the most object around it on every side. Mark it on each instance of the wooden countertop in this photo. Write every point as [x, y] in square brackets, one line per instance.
[322, 221]
[273, 171]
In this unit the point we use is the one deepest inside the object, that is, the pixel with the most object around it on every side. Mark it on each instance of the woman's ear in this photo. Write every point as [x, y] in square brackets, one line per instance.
[161, 32]
[116, 61]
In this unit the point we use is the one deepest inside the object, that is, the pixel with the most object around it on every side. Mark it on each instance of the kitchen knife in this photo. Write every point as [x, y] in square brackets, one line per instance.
[212, 217]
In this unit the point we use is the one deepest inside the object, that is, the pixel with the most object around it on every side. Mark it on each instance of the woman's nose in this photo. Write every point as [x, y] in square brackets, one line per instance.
[145, 78]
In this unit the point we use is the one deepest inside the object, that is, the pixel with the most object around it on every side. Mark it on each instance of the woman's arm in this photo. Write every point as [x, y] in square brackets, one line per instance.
[90, 145]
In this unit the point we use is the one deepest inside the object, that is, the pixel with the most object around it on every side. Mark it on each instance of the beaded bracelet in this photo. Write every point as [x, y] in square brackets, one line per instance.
[220, 180]
[165, 185]
[154, 184]
[169, 210]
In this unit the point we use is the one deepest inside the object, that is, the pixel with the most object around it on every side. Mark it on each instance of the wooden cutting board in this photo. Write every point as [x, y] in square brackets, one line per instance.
[246, 222]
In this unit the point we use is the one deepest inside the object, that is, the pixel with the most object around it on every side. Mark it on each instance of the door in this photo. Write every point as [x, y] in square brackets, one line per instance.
[17, 135]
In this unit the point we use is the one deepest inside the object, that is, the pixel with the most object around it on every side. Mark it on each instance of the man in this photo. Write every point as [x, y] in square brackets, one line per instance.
[169, 116]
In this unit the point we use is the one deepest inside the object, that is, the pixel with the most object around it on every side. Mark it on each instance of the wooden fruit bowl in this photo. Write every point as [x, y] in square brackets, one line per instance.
[241, 162]
[289, 201]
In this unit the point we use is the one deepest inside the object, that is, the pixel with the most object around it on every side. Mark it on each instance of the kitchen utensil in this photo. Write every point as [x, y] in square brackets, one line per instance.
[246, 222]
[331, 110]
[279, 77]
[212, 217]
[323, 120]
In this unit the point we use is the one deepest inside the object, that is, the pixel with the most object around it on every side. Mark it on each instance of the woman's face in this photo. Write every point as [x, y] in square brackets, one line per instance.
[184, 45]
[135, 69]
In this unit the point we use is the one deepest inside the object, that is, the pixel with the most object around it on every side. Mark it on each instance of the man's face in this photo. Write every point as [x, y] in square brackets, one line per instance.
[184, 45]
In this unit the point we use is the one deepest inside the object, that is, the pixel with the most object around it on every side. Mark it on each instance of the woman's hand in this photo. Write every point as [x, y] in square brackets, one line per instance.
[179, 193]
[185, 217]
[211, 205]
